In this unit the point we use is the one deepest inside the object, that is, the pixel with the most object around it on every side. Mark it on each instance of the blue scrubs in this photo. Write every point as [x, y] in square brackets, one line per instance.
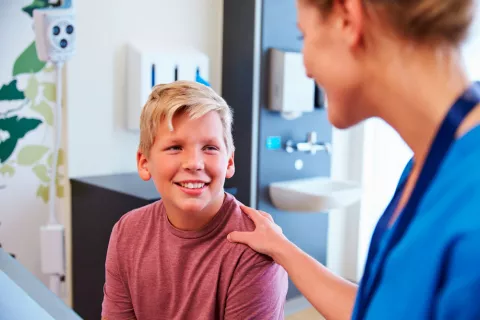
[433, 270]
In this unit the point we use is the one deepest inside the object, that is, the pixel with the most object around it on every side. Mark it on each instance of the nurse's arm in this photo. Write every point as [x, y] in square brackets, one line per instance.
[331, 295]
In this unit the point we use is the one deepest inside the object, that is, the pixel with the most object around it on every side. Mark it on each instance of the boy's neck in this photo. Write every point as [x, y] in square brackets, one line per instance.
[193, 221]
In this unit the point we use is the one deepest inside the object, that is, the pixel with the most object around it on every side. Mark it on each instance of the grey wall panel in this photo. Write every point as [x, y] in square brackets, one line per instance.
[237, 88]
[308, 231]
[277, 29]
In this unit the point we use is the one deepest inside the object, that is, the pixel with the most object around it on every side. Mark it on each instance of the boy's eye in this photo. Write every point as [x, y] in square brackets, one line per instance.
[174, 148]
[211, 148]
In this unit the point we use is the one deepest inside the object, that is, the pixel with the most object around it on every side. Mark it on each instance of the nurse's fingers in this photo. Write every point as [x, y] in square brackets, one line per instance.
[251, 213]
[266, 215]
[241, 237]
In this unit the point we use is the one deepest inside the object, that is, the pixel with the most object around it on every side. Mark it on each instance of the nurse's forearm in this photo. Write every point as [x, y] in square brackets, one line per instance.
[331, 295]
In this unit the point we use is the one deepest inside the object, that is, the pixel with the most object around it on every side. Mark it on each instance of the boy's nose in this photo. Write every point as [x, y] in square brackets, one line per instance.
[193, 162]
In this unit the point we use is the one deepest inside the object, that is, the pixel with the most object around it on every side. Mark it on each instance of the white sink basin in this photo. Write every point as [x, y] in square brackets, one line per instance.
[315, 194]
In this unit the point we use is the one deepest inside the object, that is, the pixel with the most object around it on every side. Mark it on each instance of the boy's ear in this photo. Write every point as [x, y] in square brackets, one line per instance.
[230, 167]
[142, 166]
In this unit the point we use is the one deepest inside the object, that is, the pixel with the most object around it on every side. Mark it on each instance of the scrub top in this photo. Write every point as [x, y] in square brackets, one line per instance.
[434, 270]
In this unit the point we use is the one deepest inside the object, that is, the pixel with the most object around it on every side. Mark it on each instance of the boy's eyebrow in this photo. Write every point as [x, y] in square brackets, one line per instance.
[176, 140]
[172, 141]
[212, 140]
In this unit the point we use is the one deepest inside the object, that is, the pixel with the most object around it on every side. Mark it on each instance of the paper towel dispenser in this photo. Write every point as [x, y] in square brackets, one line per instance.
[291, 92]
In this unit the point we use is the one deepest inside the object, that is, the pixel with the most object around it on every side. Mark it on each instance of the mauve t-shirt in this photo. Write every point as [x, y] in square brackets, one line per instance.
[155, 271]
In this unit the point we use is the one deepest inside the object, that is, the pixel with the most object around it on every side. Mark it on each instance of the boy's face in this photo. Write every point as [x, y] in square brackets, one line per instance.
[189, 164]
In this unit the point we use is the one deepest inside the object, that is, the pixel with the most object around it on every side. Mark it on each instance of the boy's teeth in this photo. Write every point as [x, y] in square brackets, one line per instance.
[191, 185]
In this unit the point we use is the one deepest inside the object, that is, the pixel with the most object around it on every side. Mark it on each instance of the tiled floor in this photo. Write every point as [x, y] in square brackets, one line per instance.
[307, 314]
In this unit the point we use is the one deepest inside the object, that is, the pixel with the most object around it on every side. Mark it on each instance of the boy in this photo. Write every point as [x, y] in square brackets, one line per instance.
[171, 259]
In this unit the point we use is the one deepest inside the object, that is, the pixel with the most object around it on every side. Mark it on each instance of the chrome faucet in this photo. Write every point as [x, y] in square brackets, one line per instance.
[311, 146]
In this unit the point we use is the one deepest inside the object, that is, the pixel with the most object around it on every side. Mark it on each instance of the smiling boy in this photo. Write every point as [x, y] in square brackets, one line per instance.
[170, 259]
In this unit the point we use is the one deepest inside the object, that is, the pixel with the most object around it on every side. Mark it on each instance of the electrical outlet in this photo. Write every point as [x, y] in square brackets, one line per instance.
[55, 33]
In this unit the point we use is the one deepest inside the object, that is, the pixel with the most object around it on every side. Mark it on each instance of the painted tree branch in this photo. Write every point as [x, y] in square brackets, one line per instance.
[20, 107]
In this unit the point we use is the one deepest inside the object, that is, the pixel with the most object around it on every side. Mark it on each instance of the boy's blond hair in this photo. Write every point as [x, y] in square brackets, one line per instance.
[167, 100]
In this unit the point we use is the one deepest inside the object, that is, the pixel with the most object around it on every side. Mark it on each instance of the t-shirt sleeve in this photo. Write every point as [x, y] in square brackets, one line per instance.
[459, 297]
[117, 303]
[258, 289]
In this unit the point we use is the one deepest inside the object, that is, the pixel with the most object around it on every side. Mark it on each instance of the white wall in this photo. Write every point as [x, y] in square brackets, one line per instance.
[343, 231]
[385, 157]
[98, 142]
[471, 49]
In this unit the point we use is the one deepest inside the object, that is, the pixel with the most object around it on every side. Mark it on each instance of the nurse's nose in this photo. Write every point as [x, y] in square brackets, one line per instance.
[193, 161]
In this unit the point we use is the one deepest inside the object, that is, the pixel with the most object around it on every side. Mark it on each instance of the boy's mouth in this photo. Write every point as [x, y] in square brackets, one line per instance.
[192, 185]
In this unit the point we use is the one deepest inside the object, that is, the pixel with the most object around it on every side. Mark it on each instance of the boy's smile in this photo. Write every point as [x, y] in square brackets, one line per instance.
[188, 166]
[192, 187]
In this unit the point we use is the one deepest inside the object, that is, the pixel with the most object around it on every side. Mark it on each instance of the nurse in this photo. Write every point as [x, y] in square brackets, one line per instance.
[398, 60]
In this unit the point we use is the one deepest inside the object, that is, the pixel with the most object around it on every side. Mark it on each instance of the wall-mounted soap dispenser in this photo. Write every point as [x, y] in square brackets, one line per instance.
[148, 66]
[291, 92]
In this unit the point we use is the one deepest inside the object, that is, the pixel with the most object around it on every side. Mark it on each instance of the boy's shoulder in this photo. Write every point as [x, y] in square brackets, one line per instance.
[237, 219]
[249, 264]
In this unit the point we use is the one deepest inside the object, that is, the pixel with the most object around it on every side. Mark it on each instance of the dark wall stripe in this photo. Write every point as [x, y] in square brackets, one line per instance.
[278, 30]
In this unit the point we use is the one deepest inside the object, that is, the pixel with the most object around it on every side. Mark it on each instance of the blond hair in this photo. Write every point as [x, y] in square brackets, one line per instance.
[423, 21]
[195, 99]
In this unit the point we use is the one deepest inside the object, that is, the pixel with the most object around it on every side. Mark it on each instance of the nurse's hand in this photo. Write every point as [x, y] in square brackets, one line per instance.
[267, 238]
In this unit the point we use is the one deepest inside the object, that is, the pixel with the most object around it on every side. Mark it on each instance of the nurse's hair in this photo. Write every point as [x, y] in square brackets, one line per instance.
[179, 97]
[432, 22]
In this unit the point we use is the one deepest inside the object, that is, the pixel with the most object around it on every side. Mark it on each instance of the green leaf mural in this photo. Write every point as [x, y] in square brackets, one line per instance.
[10, 92]
[32, 88]
[28, 61]
[49, 91]
[16, 126]
[59, 178]
[60, 191]
[17, 129]
[42, 192]
[29, 155]
[7, 170]
[50, 68]
[41, 172]
[45, 110]
[60, 159]
[36, 4]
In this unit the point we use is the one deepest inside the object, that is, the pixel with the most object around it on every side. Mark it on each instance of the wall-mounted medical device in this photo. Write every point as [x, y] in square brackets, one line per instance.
[290, 91]
[147, 67]
[55, 34]
[55, 39]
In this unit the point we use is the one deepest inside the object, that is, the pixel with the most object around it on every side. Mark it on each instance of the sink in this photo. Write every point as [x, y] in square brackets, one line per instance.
[315, 194]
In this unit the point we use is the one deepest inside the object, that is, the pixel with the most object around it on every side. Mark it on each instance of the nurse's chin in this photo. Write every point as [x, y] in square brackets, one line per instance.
[342, 123]
[343, 120]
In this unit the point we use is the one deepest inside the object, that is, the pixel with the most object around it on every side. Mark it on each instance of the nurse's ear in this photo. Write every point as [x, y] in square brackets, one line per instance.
[142, 166]
[350, 19]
